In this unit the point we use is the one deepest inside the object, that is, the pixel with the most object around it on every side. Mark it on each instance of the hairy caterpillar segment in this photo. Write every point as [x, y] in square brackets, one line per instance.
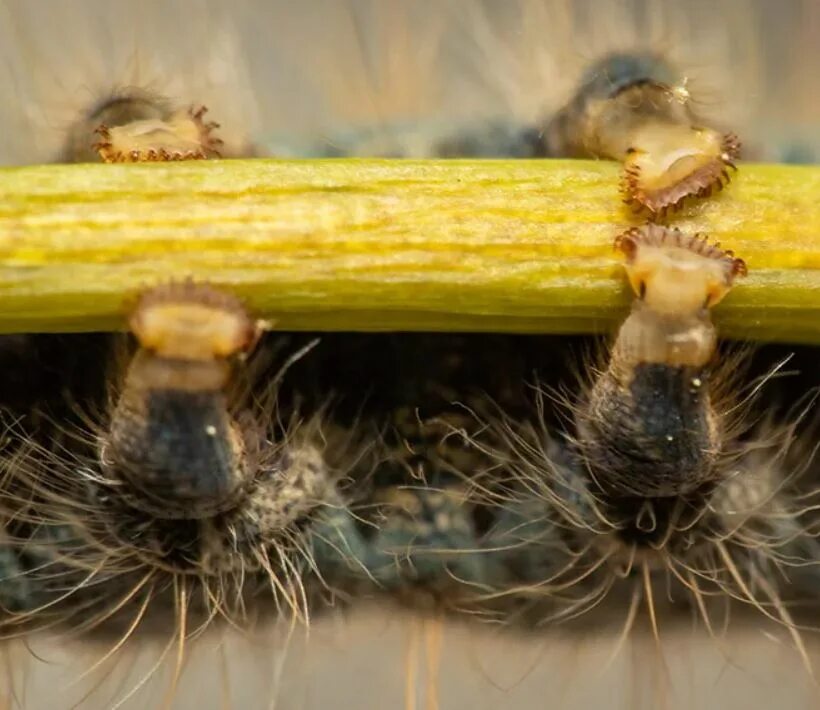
[172, 439]
[653, 494]
[649, 428]
[180, 440]
[630, 108]
[194, 483]
[572, 544]
[182, 135]
[171, 434]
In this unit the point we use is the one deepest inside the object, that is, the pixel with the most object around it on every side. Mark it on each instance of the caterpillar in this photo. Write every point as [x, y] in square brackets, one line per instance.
[445, 484]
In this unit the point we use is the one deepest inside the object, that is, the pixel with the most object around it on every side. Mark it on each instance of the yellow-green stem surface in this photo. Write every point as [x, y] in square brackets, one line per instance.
[387, 245]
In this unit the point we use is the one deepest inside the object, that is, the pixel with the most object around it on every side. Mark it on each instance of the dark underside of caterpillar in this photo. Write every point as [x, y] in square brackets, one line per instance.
[458, 486]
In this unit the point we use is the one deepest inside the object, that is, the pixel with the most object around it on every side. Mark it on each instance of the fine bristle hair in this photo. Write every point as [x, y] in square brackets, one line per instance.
[754, 543]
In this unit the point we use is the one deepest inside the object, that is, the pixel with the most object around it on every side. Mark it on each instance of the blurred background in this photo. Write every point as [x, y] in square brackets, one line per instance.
[385, 77]
[379, 77]
[380, 659]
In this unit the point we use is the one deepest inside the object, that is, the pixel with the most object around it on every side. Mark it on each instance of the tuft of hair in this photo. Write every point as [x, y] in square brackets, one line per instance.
[752, 543]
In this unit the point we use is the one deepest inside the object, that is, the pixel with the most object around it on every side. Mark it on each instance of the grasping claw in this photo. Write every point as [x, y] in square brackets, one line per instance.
[634, 109]
[181, 135]
[135, 125]
[649, 427]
